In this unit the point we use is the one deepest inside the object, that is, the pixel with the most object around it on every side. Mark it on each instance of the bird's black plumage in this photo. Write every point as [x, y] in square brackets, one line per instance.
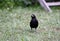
[33, 22]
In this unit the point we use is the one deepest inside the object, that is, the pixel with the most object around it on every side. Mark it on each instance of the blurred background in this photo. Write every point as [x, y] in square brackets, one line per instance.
[15, 3]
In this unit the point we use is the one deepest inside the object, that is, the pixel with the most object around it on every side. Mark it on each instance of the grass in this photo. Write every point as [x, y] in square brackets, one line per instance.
[14, 25]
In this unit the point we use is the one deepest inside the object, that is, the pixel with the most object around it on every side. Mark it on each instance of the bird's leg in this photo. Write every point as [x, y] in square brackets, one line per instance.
[35, 28]
[31, 28]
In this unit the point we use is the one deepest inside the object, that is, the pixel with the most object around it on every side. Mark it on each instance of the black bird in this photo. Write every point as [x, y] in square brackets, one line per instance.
[33, 22]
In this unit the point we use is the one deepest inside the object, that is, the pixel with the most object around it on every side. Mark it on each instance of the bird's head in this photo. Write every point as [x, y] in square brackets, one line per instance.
[33, 16]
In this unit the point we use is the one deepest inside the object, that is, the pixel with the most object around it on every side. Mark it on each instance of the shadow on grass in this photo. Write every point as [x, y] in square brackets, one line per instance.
[31, 31]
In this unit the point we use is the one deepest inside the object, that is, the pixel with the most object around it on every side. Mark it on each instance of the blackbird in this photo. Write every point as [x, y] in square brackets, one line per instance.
[33, 22]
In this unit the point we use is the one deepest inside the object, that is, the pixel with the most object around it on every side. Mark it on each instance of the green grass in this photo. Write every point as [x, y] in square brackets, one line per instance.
[14, 25]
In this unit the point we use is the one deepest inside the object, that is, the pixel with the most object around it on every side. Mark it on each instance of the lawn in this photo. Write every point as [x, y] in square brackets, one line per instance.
[14, 24]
